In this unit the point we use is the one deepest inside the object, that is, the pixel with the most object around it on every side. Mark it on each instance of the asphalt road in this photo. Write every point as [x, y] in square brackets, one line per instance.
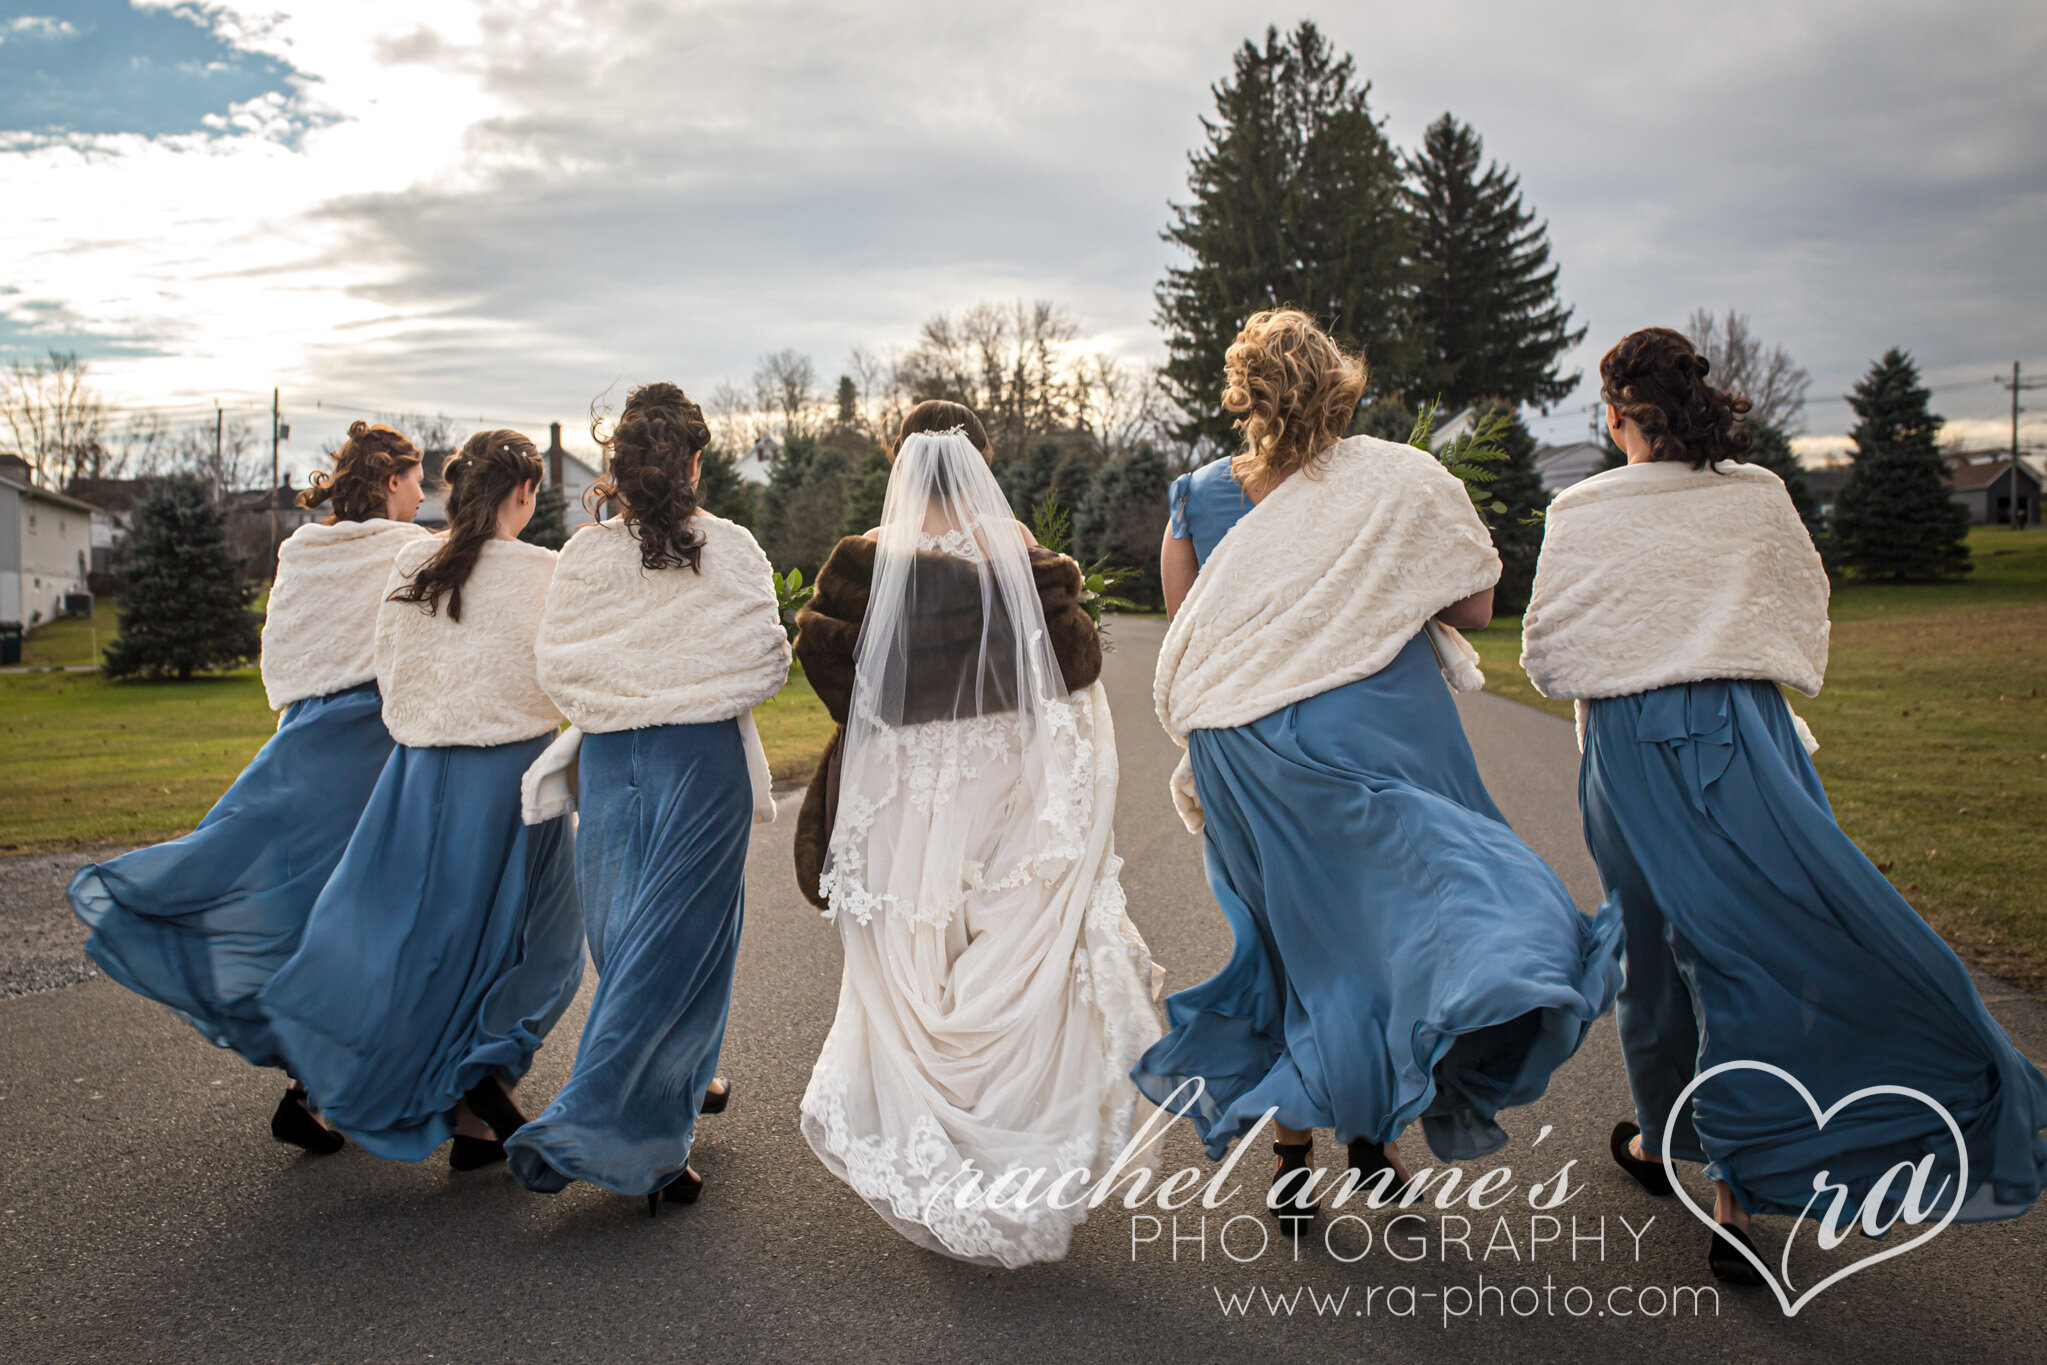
[146, 1215]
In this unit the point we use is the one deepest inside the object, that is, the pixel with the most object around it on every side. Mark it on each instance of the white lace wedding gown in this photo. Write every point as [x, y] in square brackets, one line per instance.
[995, 993]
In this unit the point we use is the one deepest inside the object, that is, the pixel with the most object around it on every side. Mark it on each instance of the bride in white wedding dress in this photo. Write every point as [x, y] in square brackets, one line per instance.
[995, 993]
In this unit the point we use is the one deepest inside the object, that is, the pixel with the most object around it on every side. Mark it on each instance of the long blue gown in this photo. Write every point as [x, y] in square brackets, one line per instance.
[666, 816]
[1400, 953]
[445, 946]
[1758, 931]
[202, 923]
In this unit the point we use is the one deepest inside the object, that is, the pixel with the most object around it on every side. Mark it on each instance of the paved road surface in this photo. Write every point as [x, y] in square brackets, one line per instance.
[145, 1214]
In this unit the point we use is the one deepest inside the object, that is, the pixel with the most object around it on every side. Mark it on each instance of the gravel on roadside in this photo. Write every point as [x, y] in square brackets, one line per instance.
[42, 944]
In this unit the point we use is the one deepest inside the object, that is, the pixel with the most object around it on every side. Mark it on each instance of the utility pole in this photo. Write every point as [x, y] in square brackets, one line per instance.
[273, 480]
[2017, 386]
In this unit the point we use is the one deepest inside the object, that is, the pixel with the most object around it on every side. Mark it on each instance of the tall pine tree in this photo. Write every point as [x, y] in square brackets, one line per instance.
[1772, 450]
[548, 526]
[1895, 517]
[1486, 300]
[185, 611]
[1296, 200]
[1517, 532]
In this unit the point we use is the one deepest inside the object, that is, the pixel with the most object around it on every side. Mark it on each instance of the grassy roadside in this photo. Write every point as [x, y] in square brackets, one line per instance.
[74, 639]
[1933, 742]
[86, 761]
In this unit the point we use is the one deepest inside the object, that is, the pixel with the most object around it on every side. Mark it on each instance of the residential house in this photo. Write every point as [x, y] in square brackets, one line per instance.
[1997, 490]
[1574, 462]
[45, 550]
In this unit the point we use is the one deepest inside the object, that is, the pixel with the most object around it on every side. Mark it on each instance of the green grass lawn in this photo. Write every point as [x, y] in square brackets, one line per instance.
[1933, 741]
[87, 761]
[74, 639]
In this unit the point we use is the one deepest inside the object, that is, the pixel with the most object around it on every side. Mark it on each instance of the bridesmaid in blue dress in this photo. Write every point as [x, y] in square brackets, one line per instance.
[202, 923]
[1400, 953]
[1756, 929]
[448, 941]
[662, 633]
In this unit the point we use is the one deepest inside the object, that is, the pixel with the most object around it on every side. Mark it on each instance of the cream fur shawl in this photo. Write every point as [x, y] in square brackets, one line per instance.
[1654, 574]
[320, 633]
[1319, 585]
[473, 681]
[625, 648]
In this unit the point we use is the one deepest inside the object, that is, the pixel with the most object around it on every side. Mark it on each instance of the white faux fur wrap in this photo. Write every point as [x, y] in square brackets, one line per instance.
[320, 633]
[473, 681]
[1320, 584]
[624, 647]
[1655, 574]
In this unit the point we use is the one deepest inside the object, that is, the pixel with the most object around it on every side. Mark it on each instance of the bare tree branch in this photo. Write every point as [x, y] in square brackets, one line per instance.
[1774, 384]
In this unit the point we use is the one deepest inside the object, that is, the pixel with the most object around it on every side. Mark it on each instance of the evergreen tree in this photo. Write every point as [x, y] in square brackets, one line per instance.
[1296, 200]
[185, 611]
[1486, 301]
[803, 508]
[1517, 532]
[1772, 451]
[866, 494]
[1046, 468]
[723, 493]
[1387, 417]
[548, 527]
[1123, 519]
[1895, 518]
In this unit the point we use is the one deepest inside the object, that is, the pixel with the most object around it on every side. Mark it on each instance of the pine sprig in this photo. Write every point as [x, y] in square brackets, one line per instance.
[1052, 524]
[1472, 455]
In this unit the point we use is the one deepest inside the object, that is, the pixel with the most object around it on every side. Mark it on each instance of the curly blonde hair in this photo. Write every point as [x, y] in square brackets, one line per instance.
[1296, 388]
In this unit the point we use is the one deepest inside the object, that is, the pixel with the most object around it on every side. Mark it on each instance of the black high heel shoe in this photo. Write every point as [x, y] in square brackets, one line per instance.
[1293, 1156]
[1654, 1176]
[1730, 1265]
[684, 1189]
[474, 1153]
[716, 1100]
[489, 1102]
[1368, 1158]
[294, 1123]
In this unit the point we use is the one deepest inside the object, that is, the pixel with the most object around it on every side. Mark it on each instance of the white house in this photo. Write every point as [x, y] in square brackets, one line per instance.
[1561, 466]
[46, 544]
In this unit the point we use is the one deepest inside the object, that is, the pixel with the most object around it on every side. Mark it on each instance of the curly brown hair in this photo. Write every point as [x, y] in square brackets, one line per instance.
[1656, 379]
[1297, 389]
[490, 467]
[647, 474]
[360, 485]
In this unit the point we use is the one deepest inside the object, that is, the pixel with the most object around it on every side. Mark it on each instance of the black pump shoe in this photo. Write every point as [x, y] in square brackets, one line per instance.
[1653, 1175]
[684, 1189]
[1293, 1156]
[1730, 1265]
[489, 1102]
[294, 1123]
[474, 1153]
[1368, 1158]
[716, 1100]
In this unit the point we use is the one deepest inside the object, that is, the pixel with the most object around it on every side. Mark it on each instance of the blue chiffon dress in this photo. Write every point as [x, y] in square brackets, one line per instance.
[666, 816]
[445, 946]
[1400, 953]
[1758, 931]
[202, 923]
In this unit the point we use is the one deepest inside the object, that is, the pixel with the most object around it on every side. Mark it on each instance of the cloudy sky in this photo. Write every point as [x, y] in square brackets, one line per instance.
[497, 208]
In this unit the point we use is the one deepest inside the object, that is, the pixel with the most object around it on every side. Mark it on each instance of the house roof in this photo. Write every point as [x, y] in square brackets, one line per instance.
[47, 496]
[1983, 474]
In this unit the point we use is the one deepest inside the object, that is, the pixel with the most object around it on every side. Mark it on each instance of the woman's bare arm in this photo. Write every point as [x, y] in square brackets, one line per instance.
[1473, 613]
[1177, 567]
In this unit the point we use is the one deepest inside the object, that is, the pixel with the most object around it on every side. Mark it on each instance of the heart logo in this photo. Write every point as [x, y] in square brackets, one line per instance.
[1780, 1286]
